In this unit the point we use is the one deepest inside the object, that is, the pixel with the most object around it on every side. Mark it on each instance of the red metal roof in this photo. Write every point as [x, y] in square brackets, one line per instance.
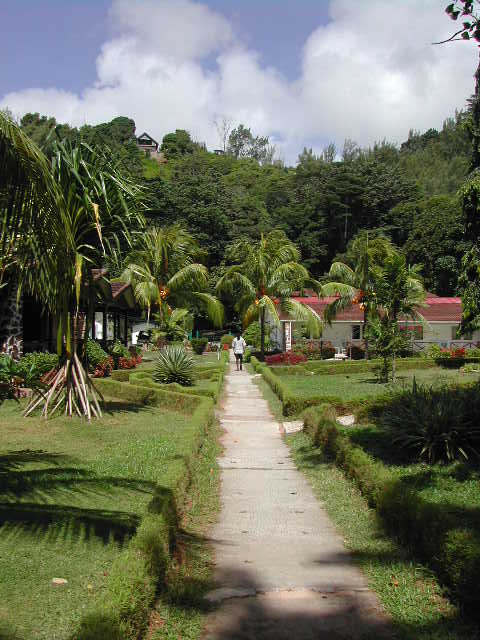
[437, 309]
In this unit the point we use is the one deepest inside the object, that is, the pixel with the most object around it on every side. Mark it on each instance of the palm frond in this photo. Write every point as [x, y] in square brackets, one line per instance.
[303, 313]
[213, 307]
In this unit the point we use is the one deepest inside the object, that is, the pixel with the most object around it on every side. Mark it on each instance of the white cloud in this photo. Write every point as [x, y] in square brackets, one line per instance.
[370, 73]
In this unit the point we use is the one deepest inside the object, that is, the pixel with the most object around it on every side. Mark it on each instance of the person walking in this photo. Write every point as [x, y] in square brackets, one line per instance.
[239, 345]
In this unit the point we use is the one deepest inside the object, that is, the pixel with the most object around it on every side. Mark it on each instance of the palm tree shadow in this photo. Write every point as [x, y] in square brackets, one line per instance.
[26, 496]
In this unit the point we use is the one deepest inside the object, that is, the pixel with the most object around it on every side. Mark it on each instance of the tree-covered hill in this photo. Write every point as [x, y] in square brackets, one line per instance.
[406, 192]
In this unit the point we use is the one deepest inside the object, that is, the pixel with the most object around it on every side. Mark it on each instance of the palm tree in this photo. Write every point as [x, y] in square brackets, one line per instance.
[399, 292]
[28, 194]
[60, 218]
[355, 285]
[165, 275]
[264, 279]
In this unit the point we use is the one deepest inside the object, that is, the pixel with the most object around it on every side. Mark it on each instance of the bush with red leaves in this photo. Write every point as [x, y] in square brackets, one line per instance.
[289, 357]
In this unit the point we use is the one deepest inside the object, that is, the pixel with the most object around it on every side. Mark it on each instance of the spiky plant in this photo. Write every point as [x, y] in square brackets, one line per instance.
[174, 364]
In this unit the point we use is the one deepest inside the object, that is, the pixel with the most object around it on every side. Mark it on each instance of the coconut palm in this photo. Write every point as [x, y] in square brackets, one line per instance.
[59, 224]
[355, 284]
[264, 280]
[399, 293]
[165, 274]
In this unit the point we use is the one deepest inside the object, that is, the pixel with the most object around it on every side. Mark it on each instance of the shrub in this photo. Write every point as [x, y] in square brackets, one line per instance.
[247, 355]
[98, 361]
[356, 351]
[252, 336]
[198, 345]
[43, 362]
[227, 338]
[315, 349]
[288, 357]
[435, 424]
[13, 376]
[174, 364]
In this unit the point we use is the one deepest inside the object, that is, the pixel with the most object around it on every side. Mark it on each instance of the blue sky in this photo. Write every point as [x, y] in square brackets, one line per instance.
[56, 42]
[304, 72]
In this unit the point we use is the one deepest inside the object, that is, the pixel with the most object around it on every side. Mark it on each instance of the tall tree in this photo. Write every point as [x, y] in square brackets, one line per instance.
[353, 282]
[266, 275]
[165, 274]
[399, 293]
[85, 201]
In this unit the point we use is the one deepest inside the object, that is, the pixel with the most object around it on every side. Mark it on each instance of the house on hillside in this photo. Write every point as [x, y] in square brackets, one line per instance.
[150, 147]
[442, 316]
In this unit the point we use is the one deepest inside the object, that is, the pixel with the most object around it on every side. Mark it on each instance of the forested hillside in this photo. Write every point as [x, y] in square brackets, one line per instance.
[408, 193]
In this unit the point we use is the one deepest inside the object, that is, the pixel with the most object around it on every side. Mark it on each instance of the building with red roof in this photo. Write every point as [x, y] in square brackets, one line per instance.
[442, 319]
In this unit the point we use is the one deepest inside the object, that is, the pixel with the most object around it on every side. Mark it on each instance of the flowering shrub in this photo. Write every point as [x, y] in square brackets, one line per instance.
[127, 363]
[104, 368]
[315, 349]
[289, 357]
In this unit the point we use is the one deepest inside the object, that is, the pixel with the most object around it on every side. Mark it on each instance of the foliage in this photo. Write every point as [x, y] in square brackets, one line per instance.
[174, 364]
[252, 336]
[243, 144]
[42, 361]
[315, 349]
[227, 338]
[164, 274]
[13, 376]
[437, 424]
[356, 284]
[264, 279]
[355, 351]
[177, 144]
[118, 349]
[387, 340]
[98, 361]
[199, 344]
[288, 357]
[173, 326]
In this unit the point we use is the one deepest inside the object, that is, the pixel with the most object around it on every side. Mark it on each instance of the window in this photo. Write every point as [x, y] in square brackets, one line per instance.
[98, 325]
[356, 332]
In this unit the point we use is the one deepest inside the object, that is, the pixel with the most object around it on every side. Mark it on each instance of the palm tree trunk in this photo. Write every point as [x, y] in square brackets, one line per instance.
[262, 334]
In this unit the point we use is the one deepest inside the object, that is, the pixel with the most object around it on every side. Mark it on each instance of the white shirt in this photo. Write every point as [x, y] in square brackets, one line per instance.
[239, 345]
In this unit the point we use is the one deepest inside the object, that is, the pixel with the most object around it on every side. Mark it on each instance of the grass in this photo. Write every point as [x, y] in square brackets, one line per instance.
[408, 591]
[71, 497]
[350, 387]
[180, 611]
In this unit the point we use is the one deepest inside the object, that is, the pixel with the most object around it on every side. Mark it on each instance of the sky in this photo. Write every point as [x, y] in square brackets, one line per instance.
[304, 72]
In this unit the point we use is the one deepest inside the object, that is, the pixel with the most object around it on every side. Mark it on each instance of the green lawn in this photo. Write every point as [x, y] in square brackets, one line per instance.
[350, 387]
[71, 496]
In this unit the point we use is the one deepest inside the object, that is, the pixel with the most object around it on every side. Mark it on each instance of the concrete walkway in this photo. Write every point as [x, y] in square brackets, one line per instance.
[281, 569]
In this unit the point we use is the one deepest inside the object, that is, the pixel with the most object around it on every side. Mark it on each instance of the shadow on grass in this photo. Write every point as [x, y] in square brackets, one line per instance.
[26, 497]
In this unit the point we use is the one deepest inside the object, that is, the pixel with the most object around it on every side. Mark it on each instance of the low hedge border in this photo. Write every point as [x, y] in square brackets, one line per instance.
[134, 579]
[434, 532]
[352, 366]
[294, 404]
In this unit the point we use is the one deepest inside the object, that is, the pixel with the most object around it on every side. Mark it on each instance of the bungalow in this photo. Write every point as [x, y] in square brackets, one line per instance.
[442, 319]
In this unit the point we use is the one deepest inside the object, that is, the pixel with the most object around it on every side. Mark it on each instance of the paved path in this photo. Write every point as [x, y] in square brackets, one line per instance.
[281, 569]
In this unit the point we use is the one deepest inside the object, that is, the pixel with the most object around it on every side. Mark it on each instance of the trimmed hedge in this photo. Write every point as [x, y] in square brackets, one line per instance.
[432, 531]
[134, 579]
[293, 404]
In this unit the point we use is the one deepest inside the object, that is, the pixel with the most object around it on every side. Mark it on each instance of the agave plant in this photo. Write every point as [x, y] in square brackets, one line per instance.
[174, 364]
